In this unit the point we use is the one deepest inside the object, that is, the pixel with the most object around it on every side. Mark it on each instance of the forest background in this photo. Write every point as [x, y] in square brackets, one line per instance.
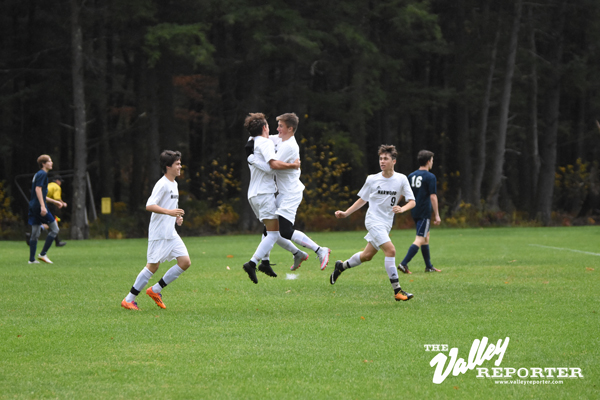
[505, 93]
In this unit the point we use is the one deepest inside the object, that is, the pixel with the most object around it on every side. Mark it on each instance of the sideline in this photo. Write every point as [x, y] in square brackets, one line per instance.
[561, 248]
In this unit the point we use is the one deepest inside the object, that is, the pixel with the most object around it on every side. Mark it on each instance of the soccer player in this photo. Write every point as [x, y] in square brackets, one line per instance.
[383, 192]
[55, 192]
[290, 189]
[424, 187]
[38, 214]
[261, 191]
[164, 243]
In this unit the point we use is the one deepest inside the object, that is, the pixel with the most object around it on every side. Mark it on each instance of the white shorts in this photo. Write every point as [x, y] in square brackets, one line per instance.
[287, 205]
[165, 250]
[263, 206]
[378, 236]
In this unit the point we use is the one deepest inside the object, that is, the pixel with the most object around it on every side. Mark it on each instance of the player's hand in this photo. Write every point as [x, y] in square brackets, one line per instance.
[177, 212]
[60, 204]
[340, 214]
[397, 209]
[179, 220]
[43, 211]
[64, 204]
[437, 220]
[296, 163]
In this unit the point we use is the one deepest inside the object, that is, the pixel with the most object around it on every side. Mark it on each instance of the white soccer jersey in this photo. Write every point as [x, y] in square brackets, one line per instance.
[383, 194]
[288, 180]
[166, 195]
[262, 182]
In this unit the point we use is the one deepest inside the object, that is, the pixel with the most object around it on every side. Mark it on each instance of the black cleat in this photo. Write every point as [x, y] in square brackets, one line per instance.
[251, 271]
[60, 244]
[404, 269]
[265, 268]
[337, 271]
[27, 237]
[402, 295]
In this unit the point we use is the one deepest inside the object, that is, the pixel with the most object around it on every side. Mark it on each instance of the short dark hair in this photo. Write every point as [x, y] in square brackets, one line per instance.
[167, 158]
[388, 148]
[57, 178]
[290, 120]
[43, 159]
[424, 156]
[254, 123]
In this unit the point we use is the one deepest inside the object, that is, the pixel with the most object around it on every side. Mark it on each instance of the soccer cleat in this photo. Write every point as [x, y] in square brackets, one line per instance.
[298, 258]
[402, 295]
[33, 262]
[404, 269]
[323, 255]
[44, 258]
[432, 269]
[339, 268]
[251, 271]
[265, 268]
[157, 297]
[60, 243]
[130, 306]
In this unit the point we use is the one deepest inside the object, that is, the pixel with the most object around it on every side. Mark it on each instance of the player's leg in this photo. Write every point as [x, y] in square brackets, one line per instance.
[286, 230]
[264, 208]
[52, 232]
[390, 267]
[421, 226]
[140, 283]
[36, 230]
[358, 258]
[179, 252]
[427, 256]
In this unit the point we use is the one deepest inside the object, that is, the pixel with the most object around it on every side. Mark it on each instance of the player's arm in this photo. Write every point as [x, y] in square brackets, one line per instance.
[58, 203]
[38, 193]
[436, 213]
[262, 165]
[278, 164]
[155, 208]
[357, 204]
[407, 207]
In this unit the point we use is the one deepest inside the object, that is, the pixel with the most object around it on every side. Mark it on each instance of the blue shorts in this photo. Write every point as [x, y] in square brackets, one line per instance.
[35, 217]
[423, 226]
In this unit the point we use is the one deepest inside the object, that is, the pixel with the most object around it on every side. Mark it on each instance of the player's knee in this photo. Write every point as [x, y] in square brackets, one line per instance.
[286, 228]
[366, 257]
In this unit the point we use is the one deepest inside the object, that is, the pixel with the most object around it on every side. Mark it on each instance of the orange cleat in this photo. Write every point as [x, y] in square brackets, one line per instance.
[130, 306]
[157, 297]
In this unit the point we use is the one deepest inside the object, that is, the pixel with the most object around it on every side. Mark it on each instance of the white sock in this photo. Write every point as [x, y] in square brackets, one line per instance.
[390, 267]
[265, 246]
[287, 245]
[353, 261]
[140, 282]
[172, 274]
[303, 240]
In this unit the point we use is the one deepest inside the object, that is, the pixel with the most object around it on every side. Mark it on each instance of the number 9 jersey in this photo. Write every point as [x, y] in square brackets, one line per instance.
[383, 194]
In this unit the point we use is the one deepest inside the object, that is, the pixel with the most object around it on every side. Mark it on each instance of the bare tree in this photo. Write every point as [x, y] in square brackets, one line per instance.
[500, 140]
[79, 225]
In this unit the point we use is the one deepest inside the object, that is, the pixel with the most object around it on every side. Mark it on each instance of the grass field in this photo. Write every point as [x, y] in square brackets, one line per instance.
[63, 333]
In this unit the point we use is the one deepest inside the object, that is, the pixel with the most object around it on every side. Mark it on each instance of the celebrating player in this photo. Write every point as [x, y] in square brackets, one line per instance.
[423, 184]
[261, 192]
[290, 189]
[164, 243]
[383, 192]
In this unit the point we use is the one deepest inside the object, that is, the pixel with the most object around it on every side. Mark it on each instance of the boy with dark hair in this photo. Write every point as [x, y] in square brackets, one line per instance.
[38, 211]
[383, 192]
[423, 184]
[164, 243]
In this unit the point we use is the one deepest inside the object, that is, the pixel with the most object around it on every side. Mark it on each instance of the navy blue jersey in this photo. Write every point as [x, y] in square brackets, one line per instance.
[34, 216]
[423, 184]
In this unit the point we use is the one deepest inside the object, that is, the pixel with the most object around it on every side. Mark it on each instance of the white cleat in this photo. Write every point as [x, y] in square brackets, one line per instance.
[323, 255]
[298, 258]
[44, 259]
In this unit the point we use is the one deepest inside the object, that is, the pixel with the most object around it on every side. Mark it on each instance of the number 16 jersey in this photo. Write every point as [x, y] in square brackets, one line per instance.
[383, 194]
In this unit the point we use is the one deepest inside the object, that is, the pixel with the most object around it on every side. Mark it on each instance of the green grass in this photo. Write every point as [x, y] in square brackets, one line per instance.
[63, 333]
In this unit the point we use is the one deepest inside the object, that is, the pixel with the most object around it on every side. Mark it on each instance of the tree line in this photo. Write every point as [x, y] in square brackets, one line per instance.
[504, 93]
